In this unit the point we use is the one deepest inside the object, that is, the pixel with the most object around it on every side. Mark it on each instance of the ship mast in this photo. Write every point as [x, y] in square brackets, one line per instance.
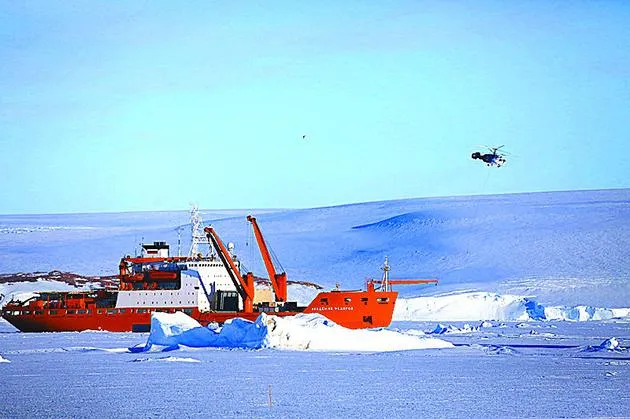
[195, 231]
[179, 240]
[385, 282]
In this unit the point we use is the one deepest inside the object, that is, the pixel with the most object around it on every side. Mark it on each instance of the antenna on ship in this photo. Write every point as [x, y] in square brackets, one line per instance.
[386, 268]
[179, 240]
[196, 231]
[140, 246]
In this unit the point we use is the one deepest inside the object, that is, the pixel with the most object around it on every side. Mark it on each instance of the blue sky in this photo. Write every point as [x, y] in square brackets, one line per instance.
[148, 105]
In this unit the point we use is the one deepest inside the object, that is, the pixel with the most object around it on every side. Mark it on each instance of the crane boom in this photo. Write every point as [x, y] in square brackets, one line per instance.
[278, 280]
[244, 286]
[407, 281]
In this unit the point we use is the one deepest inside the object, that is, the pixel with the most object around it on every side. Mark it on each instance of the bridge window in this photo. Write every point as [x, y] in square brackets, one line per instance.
[382, 300]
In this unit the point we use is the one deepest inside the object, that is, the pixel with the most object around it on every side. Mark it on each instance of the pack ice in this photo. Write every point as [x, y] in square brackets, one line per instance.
[307, 332]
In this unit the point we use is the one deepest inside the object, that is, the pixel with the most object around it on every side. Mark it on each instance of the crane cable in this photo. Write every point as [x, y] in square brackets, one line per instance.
[249, 234]
[275, 259]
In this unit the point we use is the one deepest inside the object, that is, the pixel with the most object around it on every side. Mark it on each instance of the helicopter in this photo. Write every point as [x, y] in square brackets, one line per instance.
[494, 158]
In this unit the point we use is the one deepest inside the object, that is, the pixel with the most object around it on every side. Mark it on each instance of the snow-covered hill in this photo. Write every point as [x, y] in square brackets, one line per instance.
[564, 248]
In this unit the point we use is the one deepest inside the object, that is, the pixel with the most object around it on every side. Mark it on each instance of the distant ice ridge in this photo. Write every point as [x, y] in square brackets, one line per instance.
[307, 332]
[474, 306]
[39, 229]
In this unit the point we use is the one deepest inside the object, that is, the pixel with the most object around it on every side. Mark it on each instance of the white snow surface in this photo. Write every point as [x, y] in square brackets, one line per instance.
[305, 332]
[314, 332]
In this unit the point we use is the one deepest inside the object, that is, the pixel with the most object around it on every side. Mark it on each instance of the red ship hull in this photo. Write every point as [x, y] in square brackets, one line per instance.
[62, 321]
[127, 321]
[351, 309]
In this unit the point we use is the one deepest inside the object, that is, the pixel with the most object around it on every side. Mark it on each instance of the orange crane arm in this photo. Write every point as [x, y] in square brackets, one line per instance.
[278, 281]
[245, 287]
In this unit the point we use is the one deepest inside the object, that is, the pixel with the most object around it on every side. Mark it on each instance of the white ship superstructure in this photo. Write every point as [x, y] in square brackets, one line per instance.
[203, 282]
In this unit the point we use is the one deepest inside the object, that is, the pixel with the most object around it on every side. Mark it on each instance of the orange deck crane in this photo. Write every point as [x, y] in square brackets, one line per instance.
[244, 285]
[278, 280]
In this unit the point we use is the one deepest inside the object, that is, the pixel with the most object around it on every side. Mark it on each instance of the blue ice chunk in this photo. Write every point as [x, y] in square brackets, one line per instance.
[237, 333]
[609, 345]
[140, 348]
[440, 329]
[170, 348]
[534, 310]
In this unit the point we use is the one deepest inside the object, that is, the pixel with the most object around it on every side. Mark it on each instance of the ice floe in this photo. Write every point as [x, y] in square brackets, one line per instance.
[167, 359]
[441, 329]
[609, 345]
[310, 332]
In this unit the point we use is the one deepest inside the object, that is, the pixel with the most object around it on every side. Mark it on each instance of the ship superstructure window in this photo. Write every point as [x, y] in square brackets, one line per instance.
[156, 250]
[324, 301]
[382, 300]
